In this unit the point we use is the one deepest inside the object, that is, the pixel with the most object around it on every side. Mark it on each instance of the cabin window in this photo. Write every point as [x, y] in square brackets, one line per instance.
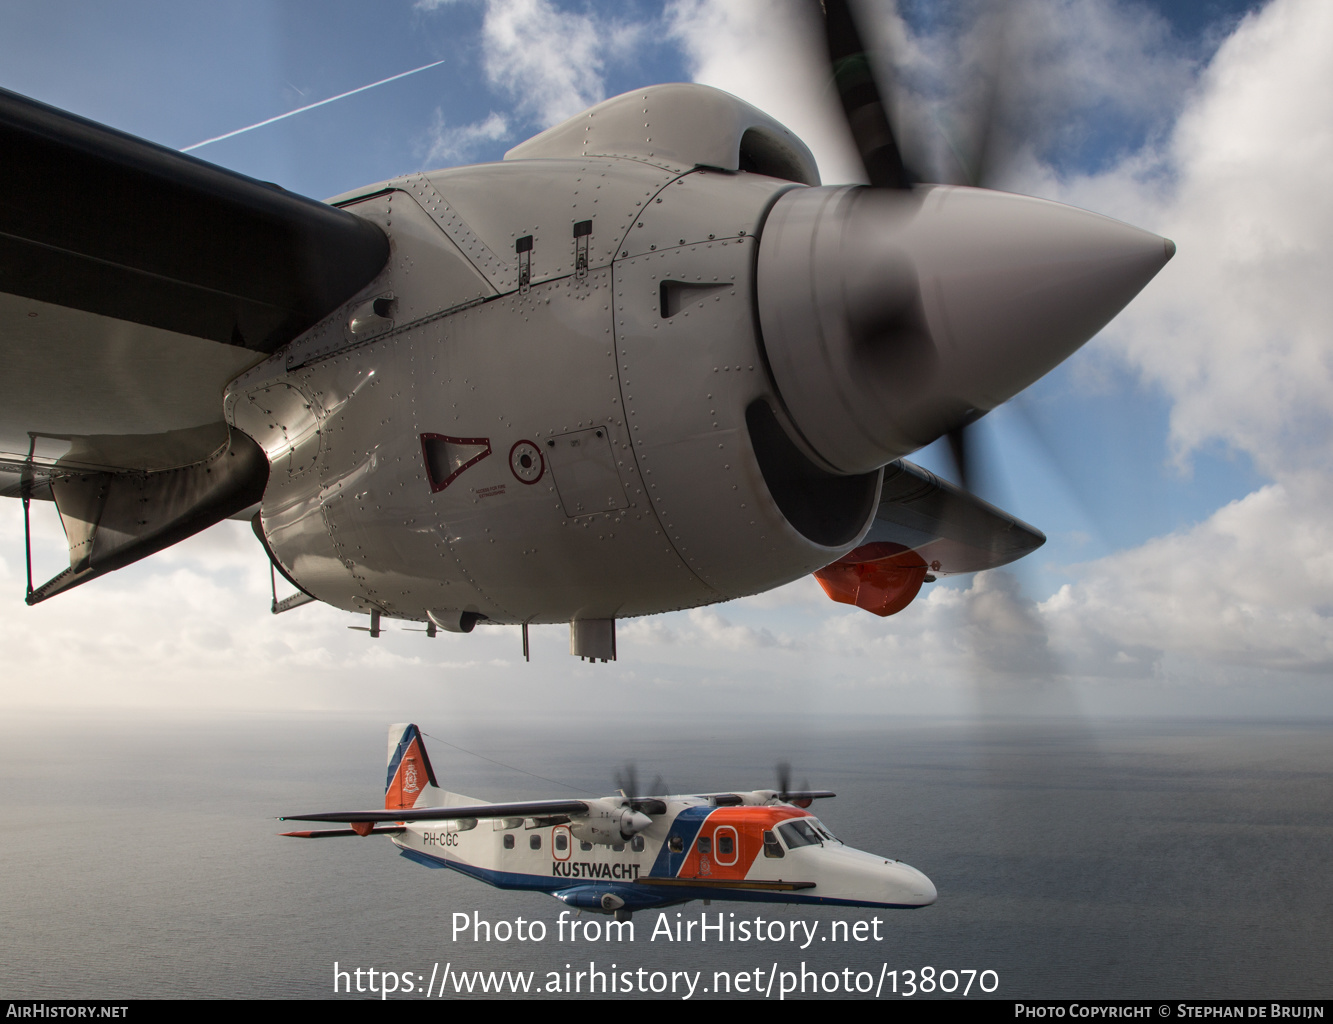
[772, 848]
[676, 845]
[726, 845]
[705, 844]
[585, 847]
[618, 847]
[509, 841]
[534, 841]
[636, 844]
[799, 833]
[561, 841]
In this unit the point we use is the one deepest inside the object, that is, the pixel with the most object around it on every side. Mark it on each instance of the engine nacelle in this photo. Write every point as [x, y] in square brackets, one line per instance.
[556, 402]
[608, 822]
[584, 428]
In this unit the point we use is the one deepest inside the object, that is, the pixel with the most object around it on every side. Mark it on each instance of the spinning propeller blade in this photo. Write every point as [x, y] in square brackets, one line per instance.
[802, 797]
[627, 782]
[862, 100]
[1015, 284]
[867, 104]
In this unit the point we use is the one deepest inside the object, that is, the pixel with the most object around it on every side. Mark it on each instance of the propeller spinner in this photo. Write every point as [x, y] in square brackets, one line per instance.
[895, 314]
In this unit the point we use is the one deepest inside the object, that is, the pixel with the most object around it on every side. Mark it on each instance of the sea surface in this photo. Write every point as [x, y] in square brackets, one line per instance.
[1124, 859]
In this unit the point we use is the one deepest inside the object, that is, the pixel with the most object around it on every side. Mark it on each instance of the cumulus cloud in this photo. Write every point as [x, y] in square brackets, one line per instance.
[1237, 333]
[547, 60]
[767, 54]
[1063, 82]
[449, 144]
[1099, 105]
[704, 629]
[1253, 585]
[1054, 78]
[548, 63]
[1237, 329]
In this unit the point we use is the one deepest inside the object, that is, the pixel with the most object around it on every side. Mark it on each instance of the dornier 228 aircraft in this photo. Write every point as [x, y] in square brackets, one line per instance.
[628, 852]
[645, 363]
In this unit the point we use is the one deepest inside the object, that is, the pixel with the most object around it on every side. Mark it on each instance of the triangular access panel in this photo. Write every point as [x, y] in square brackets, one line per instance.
[447, 457]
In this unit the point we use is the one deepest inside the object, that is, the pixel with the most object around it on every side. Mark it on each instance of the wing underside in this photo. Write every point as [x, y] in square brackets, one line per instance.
[135, 282]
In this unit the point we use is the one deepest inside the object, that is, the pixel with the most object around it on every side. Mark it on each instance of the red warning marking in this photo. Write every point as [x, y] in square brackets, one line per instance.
[526, 462]
[446, 457]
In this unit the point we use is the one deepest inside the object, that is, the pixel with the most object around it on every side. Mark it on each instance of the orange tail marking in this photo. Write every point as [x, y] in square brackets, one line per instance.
[409, 780]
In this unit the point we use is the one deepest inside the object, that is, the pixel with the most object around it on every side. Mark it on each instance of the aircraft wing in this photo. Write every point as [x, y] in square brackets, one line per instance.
[792, 796]
[135, 282]
[528, 809]
[951, 529]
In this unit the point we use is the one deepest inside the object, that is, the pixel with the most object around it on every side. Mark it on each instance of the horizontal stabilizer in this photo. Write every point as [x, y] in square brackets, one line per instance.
[329, 833]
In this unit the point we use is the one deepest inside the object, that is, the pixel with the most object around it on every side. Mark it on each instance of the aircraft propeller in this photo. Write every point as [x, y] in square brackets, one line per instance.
[784, 779]
[867, 106]
[627, 782]
[802, 797]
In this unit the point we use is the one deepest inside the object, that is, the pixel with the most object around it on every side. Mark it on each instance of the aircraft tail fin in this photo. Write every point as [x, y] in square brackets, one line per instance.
[410, 780]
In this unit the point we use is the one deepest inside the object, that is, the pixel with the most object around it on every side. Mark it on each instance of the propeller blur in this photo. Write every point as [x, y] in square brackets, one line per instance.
[619, 854]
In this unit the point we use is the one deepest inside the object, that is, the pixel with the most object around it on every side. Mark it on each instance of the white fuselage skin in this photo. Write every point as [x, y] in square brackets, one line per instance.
[535, 860]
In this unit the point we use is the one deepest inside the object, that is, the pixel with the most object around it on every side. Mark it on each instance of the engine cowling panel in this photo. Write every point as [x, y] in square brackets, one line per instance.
[473, 456]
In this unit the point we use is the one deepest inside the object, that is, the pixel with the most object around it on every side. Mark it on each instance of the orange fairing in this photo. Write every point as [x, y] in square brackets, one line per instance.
[410, 778]
[745, 826]
[882, 577]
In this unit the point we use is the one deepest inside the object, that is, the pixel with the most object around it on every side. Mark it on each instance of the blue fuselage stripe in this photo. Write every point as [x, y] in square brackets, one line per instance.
[651, 894]
[686, 826]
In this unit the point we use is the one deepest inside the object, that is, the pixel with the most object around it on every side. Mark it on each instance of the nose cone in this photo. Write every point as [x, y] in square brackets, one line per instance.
[908, 887]
[889, 317]
[860, 877]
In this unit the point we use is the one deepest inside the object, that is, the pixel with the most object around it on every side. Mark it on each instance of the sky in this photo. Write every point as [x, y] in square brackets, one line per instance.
[1179, 463]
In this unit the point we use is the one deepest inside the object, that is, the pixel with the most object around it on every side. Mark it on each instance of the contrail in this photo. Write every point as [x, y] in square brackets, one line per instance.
[312, 106]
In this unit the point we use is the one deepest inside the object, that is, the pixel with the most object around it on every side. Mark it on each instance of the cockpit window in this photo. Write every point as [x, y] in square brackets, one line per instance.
[772, 848]
[823, 830]
[799, 833]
